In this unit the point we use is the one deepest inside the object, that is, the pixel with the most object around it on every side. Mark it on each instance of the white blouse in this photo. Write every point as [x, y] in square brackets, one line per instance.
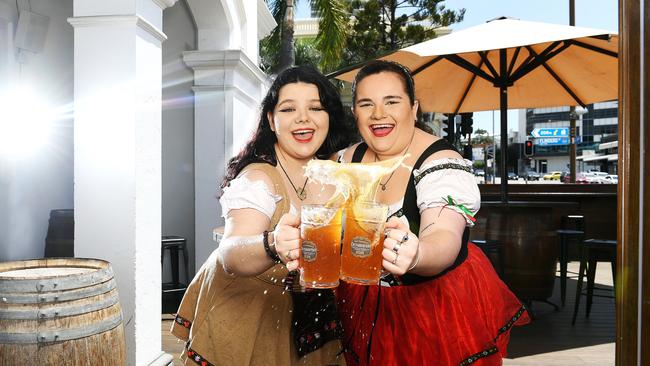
[245, 193]
[448, 182]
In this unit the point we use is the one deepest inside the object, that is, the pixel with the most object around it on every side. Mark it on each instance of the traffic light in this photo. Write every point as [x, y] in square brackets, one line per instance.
[468, 152]
[528, 148]
[466, 122]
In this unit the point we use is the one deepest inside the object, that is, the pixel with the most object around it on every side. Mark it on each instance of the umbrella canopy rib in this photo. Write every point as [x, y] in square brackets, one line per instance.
[593, 48]
[459, 61]
[537, 59]
[425, 65]
[469, 86]
[558, 79]
[513, 60]
[487, 62]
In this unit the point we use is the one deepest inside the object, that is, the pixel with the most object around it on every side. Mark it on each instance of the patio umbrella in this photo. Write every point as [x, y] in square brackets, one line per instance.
[509, 63]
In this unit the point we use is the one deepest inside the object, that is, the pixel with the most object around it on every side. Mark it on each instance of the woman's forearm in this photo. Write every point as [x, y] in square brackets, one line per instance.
[244, 255]
[437, 251]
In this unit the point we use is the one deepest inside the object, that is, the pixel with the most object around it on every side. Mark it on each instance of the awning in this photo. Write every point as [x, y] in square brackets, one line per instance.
[608, 145]
[596, 157]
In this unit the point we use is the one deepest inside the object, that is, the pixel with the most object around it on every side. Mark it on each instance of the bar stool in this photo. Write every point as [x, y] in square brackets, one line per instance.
[572, 230]
[173, 291]
[593, 251]
[493, 249]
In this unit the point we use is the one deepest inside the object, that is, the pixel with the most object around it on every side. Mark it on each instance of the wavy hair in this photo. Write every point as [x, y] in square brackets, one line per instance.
[260, 147]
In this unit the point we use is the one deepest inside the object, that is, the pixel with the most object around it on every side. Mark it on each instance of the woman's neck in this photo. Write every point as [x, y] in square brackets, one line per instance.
[290, 162]
[404, 151]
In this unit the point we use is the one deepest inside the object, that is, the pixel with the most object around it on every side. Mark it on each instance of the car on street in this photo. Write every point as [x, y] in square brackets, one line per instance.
[479, 172]
[595, 177]
[580, 178]
[512, 176]
[531, 175]
[553, 176]
[611, 179]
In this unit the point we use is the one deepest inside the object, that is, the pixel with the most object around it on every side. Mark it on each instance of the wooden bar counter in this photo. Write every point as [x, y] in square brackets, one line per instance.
[526, 227]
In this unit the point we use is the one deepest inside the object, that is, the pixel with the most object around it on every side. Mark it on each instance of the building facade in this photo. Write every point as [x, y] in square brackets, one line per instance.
[596, 136]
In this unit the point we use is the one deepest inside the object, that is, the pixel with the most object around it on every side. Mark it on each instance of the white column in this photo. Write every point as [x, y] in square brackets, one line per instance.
[117, 72]
[228, 90]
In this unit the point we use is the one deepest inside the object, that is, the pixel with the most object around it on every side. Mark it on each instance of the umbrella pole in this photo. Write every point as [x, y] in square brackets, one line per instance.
[503, 95]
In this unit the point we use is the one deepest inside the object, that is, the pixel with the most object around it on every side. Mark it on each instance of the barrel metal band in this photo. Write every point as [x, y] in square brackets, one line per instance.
[60, 312]
[57, 296]
[63, 334]
[59, 283]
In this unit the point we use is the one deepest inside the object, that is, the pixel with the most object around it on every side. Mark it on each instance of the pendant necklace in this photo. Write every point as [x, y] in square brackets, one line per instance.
[300, 192]
[383, 185]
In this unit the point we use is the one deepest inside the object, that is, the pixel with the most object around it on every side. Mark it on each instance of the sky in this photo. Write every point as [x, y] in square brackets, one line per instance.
[601, 14]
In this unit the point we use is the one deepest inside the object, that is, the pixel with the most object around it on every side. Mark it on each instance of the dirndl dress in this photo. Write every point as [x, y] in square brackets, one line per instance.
[461, 316]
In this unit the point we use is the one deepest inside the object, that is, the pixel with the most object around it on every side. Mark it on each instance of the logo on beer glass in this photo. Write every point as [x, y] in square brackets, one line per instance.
[360, 247]
[309, 251]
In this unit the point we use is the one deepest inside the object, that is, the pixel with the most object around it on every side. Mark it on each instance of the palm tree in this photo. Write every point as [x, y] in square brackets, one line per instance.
[330, 40]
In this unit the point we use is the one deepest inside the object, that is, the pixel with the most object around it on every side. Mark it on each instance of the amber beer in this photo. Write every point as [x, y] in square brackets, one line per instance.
[363, 243]
[320, 259]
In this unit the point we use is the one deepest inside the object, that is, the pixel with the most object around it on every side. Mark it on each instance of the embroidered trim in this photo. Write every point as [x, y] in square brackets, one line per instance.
[475, 357]
[455, 166]
[398, 213]
[182, 321]
[512, 321]
[492, 350]
[192, 355]
[333, 326]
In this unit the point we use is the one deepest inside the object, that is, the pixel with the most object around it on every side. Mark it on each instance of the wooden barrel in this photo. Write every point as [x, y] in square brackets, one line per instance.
[63, 311]
[530, 248]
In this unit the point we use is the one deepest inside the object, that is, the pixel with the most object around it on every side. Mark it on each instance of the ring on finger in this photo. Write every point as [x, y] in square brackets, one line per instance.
[396, 247]
[396, 256]
[405, 238]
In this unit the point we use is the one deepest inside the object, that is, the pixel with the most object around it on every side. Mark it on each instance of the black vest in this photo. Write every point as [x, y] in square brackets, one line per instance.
[412, 212]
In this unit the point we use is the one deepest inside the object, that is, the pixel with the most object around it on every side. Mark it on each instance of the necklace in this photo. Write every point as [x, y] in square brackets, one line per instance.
[301, 193]
[383, 185]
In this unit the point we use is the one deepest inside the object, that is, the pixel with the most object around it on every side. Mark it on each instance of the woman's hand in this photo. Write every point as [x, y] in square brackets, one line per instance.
[287, 240]
[401, 247]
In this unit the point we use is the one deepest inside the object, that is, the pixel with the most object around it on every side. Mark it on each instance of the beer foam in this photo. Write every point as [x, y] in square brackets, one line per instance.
[353, 181]
[318, 216]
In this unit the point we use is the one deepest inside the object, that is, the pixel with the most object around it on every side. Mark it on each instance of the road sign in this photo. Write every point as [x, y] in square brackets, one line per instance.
[551, 141]
[551, 132]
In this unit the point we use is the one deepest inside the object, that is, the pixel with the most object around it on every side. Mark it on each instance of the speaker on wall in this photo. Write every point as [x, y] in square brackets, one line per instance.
[31, 31]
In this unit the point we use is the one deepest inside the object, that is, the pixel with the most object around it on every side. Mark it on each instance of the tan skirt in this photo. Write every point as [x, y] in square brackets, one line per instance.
[234, 321]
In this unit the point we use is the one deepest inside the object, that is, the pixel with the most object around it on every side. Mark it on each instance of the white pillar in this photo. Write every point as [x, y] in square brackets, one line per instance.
[228, 90]
[117, 72]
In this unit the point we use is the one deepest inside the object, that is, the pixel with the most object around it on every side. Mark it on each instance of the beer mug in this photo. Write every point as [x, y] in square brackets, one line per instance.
[320, 257]
[363, 242]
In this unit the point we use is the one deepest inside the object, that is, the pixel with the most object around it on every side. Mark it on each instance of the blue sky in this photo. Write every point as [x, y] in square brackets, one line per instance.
[602, 14]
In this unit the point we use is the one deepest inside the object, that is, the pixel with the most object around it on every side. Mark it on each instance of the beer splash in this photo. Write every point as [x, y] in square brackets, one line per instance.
[354, 182]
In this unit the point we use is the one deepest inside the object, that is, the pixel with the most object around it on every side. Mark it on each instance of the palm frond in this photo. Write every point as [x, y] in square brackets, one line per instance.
[270, 46]
[332, 31]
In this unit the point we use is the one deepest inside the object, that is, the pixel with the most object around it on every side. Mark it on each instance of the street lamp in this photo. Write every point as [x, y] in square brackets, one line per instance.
[574, 113]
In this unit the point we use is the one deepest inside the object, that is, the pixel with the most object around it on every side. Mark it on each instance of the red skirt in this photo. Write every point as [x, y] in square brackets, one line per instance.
[460, 318]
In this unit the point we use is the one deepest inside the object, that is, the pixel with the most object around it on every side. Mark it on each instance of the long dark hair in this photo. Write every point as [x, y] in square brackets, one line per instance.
[378, 66]
[260, 148]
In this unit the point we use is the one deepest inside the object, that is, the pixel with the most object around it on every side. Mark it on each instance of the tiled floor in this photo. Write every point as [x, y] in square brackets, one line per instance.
[550, 340]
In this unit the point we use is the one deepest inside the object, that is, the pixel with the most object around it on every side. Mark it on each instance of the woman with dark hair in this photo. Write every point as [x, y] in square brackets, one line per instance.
[239, 309]
[442, 302]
